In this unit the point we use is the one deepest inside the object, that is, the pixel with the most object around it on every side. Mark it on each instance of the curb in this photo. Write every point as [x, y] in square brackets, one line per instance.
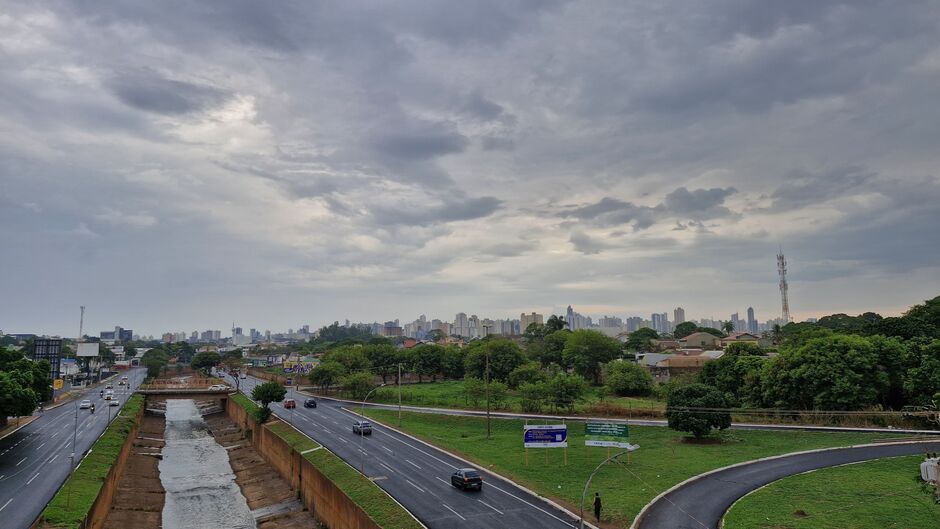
[573, 516]
[639, 516]
[18, 428]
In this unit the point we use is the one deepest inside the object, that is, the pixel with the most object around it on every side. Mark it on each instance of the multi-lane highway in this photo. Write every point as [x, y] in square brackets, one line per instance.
[34, 461]
[417, 475]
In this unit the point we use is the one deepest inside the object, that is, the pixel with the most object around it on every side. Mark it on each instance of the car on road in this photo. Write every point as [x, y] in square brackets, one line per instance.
[290, 403]
[85, 404]
[310, 403]
[218, 387]
[467, 478]
[109, 386]
[114, 402]
[362, 428]
[122, 382]
[108, 395]
[243, 376]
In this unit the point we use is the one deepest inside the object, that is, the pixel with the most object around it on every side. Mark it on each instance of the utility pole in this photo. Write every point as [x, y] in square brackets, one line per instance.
[486, 332]
[399, 394]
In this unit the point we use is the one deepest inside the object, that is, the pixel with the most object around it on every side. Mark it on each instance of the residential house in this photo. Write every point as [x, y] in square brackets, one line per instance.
[700, 340]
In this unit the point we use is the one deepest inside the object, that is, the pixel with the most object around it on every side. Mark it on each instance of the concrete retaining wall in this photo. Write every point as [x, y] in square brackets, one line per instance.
[102, 505]
[320, 495]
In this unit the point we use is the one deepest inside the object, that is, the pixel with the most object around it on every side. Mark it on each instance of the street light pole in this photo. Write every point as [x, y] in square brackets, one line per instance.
[399, 394]
[584, 492]
[486, 332]
[362, 410]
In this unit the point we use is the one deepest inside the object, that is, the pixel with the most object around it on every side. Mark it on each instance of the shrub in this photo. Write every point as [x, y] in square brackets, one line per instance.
[628, 379]
[684, 414]
[530, 372]
[532, 396]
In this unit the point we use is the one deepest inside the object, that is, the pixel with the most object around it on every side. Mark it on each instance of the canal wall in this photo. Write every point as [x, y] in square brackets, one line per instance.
[317, 492]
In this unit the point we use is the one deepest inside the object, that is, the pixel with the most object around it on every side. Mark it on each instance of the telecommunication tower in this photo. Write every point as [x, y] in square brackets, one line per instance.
[782, 270]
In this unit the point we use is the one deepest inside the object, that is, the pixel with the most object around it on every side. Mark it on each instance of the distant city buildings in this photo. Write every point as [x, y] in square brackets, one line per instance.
[528, 319]
[678, 315]
[119, 334]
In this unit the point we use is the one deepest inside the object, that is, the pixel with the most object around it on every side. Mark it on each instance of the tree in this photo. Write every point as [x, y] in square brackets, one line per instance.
[564, 391]
[530, 372]
[498, 392]
[427, 360]
[728, 327]
[16, 399]
[922, 379]
[554, 347]
[206, 360]
[628, 379]
[555, 323]
[737, 376]
[836, 372]
[352, 357]
[639, 340]
[586, 351]
[358, 384]
[436, 335]
[504, 354]
[743, 349]
[267, 393]
[336, 333]
[684, 329]
[474, 390]
[384, 358]
[452, 362]
[326, 374]
[684, 411]
[532, 396]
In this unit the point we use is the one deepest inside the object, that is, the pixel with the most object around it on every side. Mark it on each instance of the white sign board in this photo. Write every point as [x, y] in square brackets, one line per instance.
[87, 349]
[545, 436]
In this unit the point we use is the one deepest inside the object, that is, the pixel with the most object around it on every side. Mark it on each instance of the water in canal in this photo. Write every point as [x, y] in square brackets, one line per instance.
[201, 492]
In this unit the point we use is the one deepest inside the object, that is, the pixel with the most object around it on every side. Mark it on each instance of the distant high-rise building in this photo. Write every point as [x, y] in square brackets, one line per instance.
[461, 325]
[633, 323]
[751, 321]
[528, 319]
[194, 337]
[678, 315]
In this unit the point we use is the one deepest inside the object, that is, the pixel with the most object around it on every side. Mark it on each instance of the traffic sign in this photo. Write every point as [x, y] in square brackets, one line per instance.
[58, 383]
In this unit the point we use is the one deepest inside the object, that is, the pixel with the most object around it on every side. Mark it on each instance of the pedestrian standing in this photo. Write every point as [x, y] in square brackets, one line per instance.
[597, 506]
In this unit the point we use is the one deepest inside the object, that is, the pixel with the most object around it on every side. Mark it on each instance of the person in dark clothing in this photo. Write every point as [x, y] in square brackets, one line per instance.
[597, 506]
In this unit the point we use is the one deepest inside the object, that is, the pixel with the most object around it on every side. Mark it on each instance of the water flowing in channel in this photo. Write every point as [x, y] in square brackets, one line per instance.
[201, 492]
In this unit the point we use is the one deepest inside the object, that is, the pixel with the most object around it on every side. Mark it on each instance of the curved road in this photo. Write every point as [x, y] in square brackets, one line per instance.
[701, 502]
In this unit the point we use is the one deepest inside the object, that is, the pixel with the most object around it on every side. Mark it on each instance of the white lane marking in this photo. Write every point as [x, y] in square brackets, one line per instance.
[453, 511]
[342, 440]
[5, 504]
[413, 485]
[40, 446]
[412, 464]
[55, 434]
[53, 458]
[32, 478]
[530, 504]
[21, 461]
[387, 467]
[389, 450]
[442, 481]
[490, 506]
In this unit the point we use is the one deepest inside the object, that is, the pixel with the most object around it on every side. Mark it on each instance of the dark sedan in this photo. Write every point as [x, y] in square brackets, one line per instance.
[310, 403]
[467, 478]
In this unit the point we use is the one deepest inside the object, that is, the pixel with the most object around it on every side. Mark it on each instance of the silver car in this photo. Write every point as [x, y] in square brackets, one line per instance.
[362, 428]
[85, 404]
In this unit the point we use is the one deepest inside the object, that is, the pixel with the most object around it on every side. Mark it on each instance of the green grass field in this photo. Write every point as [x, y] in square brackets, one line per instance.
[449, 394]
[664, 457]
[873, 495]
[72, 502]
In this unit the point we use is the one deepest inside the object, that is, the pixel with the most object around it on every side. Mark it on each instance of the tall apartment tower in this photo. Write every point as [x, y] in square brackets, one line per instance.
[782, 270]
[751, 321]
[678, 315]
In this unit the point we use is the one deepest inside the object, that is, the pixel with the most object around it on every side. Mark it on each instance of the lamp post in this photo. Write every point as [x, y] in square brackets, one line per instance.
[362, 453]
[604, 462]
[486, 349]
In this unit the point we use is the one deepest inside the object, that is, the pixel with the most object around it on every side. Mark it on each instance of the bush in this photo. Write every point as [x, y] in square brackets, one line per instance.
[530, 372]
[473, 390]
[684, 415]
[564, 390]
[358, 385]
[265, 394]
[628, 379]
[532, 397]
[498, 393]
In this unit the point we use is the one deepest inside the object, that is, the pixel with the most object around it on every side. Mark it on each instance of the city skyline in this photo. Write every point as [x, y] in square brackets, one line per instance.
[227, 161]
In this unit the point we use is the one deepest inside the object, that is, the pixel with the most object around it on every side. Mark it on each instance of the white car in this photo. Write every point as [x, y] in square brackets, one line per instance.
[218, 387]
[114, 402]
[85, 404]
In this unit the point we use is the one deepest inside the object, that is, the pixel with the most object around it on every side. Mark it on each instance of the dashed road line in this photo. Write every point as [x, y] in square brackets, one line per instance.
[413, 485]
[531, 505]
[32, 478]
[387, 467]
[453, 511]
[389, 450]
[412, 464]
[5, 504]
[21, 461]
[490, 506]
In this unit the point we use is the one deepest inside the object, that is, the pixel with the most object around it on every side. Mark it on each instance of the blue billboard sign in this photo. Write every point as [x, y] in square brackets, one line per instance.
[545, 436]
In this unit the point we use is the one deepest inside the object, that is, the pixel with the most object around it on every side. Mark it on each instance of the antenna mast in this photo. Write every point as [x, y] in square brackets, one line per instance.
[782, 270]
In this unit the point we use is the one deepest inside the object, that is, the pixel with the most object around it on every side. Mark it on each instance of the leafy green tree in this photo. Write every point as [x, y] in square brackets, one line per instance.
[587, 351]
[837, 372]
[684, 329]
[554, 350]
[532, 396]
[327, 374]
[352, 357]
[564, 391]
[357, 385]
[16, 399]
[498, 393]
[639, 340]
[337, 333]
[436, 335]
[685, 413]
[743, 349]
[555, 323]
[474, 390]
[738, 376]
[922, 378]
[267, 393]
[206, 360]
[529, 372]
[452, 362]
[728, 327]
[384, 359]
[428, 359]
[504, 354]
[628, 379]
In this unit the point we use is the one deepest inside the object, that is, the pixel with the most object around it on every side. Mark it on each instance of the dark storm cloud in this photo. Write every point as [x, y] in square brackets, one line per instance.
[151, 92]
[586, 244]
[431, 142]
[804, 188]
[421, 215]
[699, 203]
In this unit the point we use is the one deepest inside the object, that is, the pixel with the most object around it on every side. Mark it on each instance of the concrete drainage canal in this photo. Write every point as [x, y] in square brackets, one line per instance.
[201, 492]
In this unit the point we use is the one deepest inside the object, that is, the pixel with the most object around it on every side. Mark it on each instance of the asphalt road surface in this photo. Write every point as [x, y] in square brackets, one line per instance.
[34, 461]
[416, 475]
[700, 504]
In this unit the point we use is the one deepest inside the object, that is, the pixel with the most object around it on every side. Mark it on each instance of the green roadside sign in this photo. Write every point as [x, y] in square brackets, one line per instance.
[611, 434]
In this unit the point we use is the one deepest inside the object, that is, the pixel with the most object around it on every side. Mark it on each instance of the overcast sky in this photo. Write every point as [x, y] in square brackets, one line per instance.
[184, 165]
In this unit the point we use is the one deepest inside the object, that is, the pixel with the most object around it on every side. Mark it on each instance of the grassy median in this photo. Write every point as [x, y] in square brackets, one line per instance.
[385, 511]
[665, 457]
[72, 502]
[873, 495]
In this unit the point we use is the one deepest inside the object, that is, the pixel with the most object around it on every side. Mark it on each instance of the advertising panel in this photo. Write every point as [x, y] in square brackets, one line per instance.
[87, 349]
[609, 434]
[545, 436]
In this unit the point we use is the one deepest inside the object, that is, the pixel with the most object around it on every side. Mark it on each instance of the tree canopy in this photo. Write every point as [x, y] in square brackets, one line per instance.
[587, 351]
[685, 413]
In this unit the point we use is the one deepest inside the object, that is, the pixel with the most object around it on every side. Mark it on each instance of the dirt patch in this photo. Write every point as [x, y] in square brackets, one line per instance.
[265, 490]
[138, 500]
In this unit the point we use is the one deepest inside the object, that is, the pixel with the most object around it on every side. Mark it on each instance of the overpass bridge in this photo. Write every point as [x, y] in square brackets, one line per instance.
[208, 401]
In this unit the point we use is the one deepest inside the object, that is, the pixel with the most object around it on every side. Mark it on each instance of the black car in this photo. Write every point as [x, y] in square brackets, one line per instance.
[310, 403]
[467, 478]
